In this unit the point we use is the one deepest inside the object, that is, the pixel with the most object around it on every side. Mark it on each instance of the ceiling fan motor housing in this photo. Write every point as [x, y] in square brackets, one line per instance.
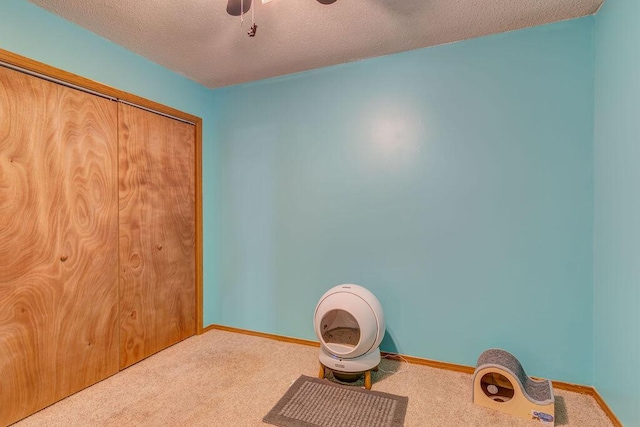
[349, 322]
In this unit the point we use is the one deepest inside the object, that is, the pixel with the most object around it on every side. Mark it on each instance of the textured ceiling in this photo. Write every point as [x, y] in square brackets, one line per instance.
[201, 40]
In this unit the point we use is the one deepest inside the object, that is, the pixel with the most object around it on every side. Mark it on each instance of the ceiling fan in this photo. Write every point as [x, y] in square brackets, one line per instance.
[234, 7]
[240, 7]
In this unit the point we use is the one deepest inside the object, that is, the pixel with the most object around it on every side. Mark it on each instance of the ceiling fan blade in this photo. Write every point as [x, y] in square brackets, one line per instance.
[233, 7]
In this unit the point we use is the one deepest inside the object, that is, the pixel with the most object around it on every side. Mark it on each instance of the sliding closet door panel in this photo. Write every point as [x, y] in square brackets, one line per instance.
[89, 230]
[157, 233]
[29, 246]
[45, 307]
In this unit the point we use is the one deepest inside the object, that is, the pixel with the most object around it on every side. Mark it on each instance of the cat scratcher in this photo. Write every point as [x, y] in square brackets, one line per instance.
[499, 382]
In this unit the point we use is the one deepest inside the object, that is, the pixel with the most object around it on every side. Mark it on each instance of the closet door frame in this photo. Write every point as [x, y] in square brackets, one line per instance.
[73, 80]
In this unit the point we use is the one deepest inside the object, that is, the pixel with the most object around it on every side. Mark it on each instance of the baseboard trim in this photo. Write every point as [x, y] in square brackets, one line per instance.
[427, 362]
[560, 385]
[576, 388]
[263, 335]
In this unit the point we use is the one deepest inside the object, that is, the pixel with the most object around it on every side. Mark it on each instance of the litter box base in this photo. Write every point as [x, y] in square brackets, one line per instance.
[348, 376]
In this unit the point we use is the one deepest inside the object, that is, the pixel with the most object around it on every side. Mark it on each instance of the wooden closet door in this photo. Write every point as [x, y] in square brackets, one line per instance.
[88, 221]
[157, 233]
[58, 207]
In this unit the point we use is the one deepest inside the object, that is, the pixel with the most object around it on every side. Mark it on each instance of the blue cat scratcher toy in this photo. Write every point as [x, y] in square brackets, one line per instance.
[499, 382]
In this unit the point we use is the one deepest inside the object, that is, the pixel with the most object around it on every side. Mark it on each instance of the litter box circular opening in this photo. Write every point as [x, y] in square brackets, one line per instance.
[349, 322]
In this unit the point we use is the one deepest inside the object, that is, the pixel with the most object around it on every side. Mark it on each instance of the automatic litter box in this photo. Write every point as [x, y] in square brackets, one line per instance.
[349, 322]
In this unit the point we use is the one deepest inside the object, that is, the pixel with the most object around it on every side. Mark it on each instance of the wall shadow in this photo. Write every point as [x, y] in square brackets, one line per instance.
[388, 344]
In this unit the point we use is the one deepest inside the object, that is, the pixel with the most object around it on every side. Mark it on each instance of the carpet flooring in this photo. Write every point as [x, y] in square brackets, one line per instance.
[228, 379]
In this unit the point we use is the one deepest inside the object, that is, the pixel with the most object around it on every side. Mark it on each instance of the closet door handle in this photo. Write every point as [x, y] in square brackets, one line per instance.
[63, 258]
[159, 247]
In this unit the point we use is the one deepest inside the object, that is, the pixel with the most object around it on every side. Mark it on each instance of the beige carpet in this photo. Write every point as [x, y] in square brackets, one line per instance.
[228, 379]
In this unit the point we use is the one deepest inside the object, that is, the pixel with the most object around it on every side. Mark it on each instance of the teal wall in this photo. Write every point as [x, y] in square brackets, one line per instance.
[455, 182]
[617, 209]
[37, 34]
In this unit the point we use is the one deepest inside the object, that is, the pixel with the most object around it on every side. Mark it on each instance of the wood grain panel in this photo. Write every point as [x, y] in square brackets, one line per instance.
[88, 323]
[64, 76]
[30, 272]
[42, 318]
[157, 233]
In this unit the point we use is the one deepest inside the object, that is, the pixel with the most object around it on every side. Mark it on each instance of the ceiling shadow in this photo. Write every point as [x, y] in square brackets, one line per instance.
[233, 7]
[404, 7]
